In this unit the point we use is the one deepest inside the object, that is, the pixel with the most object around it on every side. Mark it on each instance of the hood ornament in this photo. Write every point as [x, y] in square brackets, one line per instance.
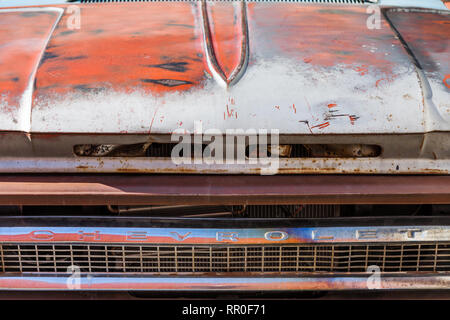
[225, 35]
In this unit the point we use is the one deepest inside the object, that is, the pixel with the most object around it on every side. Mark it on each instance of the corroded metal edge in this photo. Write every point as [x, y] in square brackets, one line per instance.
[270, 166]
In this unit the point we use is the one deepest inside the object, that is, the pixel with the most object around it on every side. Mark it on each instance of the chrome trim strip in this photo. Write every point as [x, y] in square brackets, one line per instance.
[84, 230]
[161, 283]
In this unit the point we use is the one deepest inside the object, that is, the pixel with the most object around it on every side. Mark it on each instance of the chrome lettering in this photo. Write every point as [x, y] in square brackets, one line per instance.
[180, 237]
[410, 233]
[319, 237]
[136, 235]
[95, 235]
[366, 234]
[42, 235]
[231, 236]
[276, 235]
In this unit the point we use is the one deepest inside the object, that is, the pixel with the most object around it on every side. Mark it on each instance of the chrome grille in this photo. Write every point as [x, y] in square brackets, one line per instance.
[293, 211]
[339, 258]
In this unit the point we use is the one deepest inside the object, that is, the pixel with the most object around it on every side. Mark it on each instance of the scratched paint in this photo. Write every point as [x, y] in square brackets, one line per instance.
[150, 75]
[286, 83]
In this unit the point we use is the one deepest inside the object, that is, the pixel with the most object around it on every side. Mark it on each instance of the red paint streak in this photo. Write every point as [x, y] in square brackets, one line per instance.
[445, 80]
[378, 82]
[293, 108]
[362, 70]
[230, 113]
[332, 105]
[307, 60]
[352, 119]
[322, 125]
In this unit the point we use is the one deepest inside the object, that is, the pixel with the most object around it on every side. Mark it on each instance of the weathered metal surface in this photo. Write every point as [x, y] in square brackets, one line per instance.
[154, 75]
[212, 189]
[215, 282]
[24, 34]
[401, 154]
[310, 70]
[427, 35]
[280, 166]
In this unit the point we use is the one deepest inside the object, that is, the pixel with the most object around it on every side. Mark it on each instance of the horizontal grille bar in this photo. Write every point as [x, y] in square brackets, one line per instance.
[306, 258]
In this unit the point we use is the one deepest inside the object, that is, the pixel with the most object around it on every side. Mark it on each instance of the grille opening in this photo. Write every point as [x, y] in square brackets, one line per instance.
[164, 150]
[294, 211]
[306, 258]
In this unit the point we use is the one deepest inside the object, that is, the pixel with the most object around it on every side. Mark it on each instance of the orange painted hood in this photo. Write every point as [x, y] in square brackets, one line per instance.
[158, 67]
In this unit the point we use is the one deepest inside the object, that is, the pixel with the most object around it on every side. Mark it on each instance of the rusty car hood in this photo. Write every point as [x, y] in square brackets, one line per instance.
[157, 67]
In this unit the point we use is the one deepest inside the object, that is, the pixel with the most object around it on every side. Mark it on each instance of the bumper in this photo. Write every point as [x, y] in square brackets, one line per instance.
[215, 283]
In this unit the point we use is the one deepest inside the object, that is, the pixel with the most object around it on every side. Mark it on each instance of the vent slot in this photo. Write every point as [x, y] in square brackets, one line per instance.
[164, 150]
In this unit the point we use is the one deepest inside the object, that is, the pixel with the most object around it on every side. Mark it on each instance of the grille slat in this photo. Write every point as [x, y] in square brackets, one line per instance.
[143, 258]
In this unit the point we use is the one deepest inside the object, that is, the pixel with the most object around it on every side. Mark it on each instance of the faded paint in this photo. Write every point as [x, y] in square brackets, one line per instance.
[23, 37]
[428, 36]
[136, 70]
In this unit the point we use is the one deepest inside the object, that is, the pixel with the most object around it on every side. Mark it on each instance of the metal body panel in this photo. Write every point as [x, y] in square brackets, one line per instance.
[154, 75]
[427, 36]
[214, 189]
[281, 166]
[366, 73]
[24, 34]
